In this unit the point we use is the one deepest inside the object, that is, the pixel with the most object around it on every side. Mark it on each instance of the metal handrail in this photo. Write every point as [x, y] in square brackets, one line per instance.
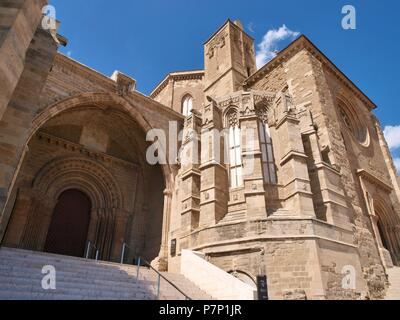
[159, 275]
[89, 246]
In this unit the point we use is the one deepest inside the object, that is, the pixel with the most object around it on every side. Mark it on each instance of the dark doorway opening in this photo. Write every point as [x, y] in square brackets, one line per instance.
[69, 225]
[383, 236]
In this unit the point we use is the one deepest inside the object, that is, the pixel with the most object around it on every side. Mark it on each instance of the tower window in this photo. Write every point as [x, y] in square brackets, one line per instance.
[268, 161]
[187, 105]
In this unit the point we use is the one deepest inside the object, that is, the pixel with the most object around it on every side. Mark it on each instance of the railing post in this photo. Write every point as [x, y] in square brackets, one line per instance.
[123, 253]
[97, 254]
[138, 270]
[158, 287]
[88, 250]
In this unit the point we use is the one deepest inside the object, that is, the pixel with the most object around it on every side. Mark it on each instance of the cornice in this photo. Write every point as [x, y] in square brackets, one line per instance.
[85, 71]
[177, 76]
[374, 180]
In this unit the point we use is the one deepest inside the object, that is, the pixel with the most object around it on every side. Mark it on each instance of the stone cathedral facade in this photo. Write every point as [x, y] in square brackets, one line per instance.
[312, 197]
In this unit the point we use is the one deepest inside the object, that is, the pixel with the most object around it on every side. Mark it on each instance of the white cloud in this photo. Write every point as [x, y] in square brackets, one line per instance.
[392, 135]
[397, 164]
[266, 49]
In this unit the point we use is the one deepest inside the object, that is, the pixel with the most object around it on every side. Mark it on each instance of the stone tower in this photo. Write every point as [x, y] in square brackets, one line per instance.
[229, 59]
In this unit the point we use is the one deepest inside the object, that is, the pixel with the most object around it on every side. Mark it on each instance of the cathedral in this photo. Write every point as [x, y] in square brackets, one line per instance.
[281, 171]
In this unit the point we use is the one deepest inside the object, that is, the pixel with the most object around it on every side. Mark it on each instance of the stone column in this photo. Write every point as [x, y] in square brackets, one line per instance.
[37, 226]
[16, 217]
[162, 263]
[214, 180]
[295, 177]
[119, 235]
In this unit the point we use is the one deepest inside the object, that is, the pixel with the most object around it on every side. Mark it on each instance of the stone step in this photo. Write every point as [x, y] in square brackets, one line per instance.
[63, 280]
[78, 291]
[78, 278]
[87, 272]
[67, 283]
[31, 257]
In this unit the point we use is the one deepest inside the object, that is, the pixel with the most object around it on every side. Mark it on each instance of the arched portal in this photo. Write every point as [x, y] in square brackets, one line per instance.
[95, 143]
[385, 222]
[69, 224]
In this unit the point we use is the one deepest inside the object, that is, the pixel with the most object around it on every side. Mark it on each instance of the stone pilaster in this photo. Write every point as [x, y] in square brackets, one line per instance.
[295, 177]
[214, 180]
[326, 180]
[190, 174]
[253, 178]
[162, 261]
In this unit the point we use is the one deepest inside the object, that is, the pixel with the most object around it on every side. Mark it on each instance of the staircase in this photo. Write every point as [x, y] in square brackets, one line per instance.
[394, 280]
[80, 279]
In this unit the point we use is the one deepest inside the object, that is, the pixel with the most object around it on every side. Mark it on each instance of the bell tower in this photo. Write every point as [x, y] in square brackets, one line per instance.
[229, 59]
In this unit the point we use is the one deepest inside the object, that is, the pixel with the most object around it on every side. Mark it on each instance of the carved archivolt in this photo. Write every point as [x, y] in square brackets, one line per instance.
[79, 173]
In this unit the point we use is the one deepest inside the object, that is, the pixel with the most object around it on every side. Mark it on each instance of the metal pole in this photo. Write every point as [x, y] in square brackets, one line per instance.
[88, 250]
[123, 253]
[158, 287]
[138, 270]
[97, 255]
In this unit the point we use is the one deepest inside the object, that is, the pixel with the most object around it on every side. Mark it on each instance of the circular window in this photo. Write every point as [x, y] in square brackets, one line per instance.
[353, 123]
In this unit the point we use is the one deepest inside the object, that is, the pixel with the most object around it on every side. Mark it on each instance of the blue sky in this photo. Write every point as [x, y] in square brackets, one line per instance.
[148, 39]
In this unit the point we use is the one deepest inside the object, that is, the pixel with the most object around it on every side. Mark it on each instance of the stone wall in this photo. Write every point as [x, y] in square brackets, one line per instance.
[18, 23]
[22, 106]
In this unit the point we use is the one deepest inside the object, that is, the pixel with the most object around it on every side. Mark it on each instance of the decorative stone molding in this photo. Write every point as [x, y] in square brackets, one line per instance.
[125, 84]
[176, 76]
[374, 180]
[81, 150]
[81, 173]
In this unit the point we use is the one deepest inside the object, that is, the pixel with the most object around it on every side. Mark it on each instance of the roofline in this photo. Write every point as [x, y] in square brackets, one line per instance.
[111, 83]
[222, 26]
[164, 81]
[300, 43]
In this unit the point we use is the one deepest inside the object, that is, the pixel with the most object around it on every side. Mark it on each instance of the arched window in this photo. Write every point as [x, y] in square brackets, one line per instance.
[235, 151]
[268, 161]
[187, 105]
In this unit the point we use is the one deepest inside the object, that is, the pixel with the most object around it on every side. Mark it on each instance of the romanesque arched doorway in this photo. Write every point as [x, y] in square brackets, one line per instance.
[98, 147]
[69, 225]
